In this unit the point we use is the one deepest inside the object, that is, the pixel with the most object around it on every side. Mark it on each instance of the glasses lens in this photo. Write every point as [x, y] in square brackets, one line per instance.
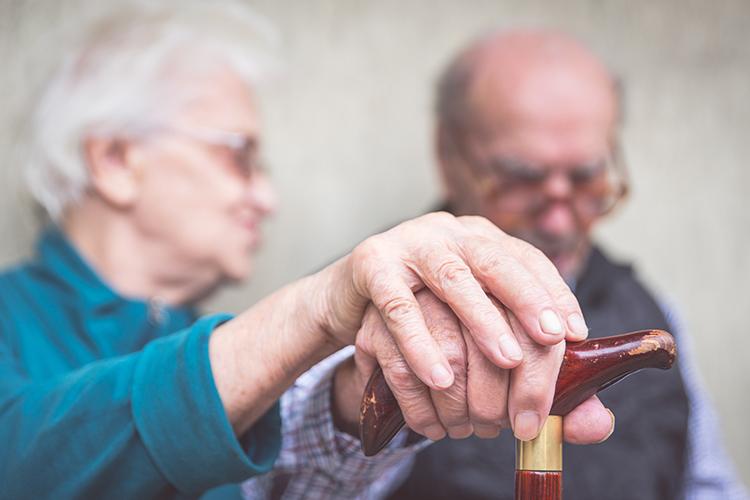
[595, 188]
[600, 193]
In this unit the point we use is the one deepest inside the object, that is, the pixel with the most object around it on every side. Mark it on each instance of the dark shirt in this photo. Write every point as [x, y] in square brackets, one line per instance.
[645, 457]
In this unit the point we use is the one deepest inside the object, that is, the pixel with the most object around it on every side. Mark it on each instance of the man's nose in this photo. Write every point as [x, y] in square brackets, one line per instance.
[557, 186]
[558, 218]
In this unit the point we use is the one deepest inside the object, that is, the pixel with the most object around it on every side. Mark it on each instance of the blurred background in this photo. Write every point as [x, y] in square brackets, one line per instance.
[348, 132]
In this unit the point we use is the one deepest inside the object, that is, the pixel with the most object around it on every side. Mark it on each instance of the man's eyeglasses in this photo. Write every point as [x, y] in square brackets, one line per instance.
[518, 186]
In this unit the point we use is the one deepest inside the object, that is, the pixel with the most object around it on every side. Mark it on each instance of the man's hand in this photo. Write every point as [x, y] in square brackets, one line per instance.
[484, 398]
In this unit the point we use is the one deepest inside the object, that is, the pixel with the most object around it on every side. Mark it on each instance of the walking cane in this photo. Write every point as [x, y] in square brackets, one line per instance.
[587, 368]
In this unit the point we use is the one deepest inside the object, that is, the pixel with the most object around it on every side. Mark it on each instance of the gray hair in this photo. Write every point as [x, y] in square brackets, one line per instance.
[452, 108]
[113, 81]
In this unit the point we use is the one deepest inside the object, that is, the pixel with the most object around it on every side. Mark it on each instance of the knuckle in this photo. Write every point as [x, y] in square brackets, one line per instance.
[480, 223]
[452, 409]
[487, 414]
[489, 263]
[453, 274]
[366, 249]
[563, 296]
[457, 360]
[369, 255]
[401, 376]
[398, 310]
[363, 266]
[453, 347]
[371, 328]
[362, 341]
[419, 415]
[529, 252]
[534, 392]
[440, 217]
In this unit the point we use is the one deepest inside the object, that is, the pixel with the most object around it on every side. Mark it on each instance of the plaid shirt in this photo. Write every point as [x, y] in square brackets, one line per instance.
[709, 473]
[318, 461]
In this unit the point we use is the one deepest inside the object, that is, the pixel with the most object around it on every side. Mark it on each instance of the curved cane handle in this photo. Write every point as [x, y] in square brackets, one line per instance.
[587, 368]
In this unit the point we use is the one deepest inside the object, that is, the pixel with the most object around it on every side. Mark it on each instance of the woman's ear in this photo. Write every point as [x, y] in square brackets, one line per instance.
[114, 175]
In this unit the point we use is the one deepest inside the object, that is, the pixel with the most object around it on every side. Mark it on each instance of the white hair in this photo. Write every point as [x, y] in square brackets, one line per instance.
[114, 81]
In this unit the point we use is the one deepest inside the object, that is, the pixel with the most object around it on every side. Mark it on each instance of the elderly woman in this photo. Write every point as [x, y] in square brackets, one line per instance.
[146, 159]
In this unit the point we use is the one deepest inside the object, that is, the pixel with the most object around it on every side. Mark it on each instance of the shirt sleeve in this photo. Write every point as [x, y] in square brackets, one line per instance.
[317, 460]
[709, 472]
[143, 425]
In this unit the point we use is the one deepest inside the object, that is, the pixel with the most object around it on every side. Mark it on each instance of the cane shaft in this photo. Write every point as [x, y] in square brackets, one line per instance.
[533, 485]
[539, 463]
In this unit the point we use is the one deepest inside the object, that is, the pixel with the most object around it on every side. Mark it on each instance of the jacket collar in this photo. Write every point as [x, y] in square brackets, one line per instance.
[57, 257]
[65, 266]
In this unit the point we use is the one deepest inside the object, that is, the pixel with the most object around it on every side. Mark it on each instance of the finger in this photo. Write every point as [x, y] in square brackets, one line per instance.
[487, 393]
[452, 280]
[487, 431]
[364, 355]
[549, 277]
[532, 384]
[403, 318]
[450, 404]
[413, 397]
[502, 272]
[545, 271]
[588, 423]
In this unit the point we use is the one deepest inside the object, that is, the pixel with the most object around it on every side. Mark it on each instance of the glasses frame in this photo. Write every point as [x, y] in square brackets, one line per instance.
[235, 142]
[487, 177]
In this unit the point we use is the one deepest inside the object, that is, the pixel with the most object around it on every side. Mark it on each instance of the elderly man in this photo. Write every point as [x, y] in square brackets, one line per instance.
[146, 158]
[527, 137]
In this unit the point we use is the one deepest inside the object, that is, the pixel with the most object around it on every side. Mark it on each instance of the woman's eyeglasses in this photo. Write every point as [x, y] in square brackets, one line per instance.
[241, 149]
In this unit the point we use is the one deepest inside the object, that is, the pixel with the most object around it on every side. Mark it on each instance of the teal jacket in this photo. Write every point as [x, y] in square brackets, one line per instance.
[107, 397]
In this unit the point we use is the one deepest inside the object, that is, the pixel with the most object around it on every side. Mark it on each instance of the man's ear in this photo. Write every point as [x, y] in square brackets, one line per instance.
[113, 173]
[445, 155]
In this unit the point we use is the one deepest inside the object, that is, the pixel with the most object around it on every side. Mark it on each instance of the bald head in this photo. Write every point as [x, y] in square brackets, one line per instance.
[526, 122]
[508, 73]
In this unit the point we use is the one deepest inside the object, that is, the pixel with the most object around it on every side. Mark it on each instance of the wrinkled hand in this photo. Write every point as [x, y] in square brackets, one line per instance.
[484, 398]
[460, 260]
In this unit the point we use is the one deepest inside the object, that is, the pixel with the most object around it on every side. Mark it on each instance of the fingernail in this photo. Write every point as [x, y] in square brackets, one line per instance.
[461, 431]
[611, 429]
[510, 348]
[441, 377]
[577, 325]
[550, 322]
[434, 432]
[486, 431]
[526, 425]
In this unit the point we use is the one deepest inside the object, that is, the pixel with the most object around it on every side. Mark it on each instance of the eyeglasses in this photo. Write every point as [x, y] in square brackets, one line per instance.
[517, 186]
[242, 149]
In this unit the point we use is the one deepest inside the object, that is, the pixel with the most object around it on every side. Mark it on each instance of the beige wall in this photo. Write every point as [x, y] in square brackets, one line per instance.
[348, 136]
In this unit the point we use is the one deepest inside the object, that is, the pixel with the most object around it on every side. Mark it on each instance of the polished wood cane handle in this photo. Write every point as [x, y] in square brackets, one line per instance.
[587, 368]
